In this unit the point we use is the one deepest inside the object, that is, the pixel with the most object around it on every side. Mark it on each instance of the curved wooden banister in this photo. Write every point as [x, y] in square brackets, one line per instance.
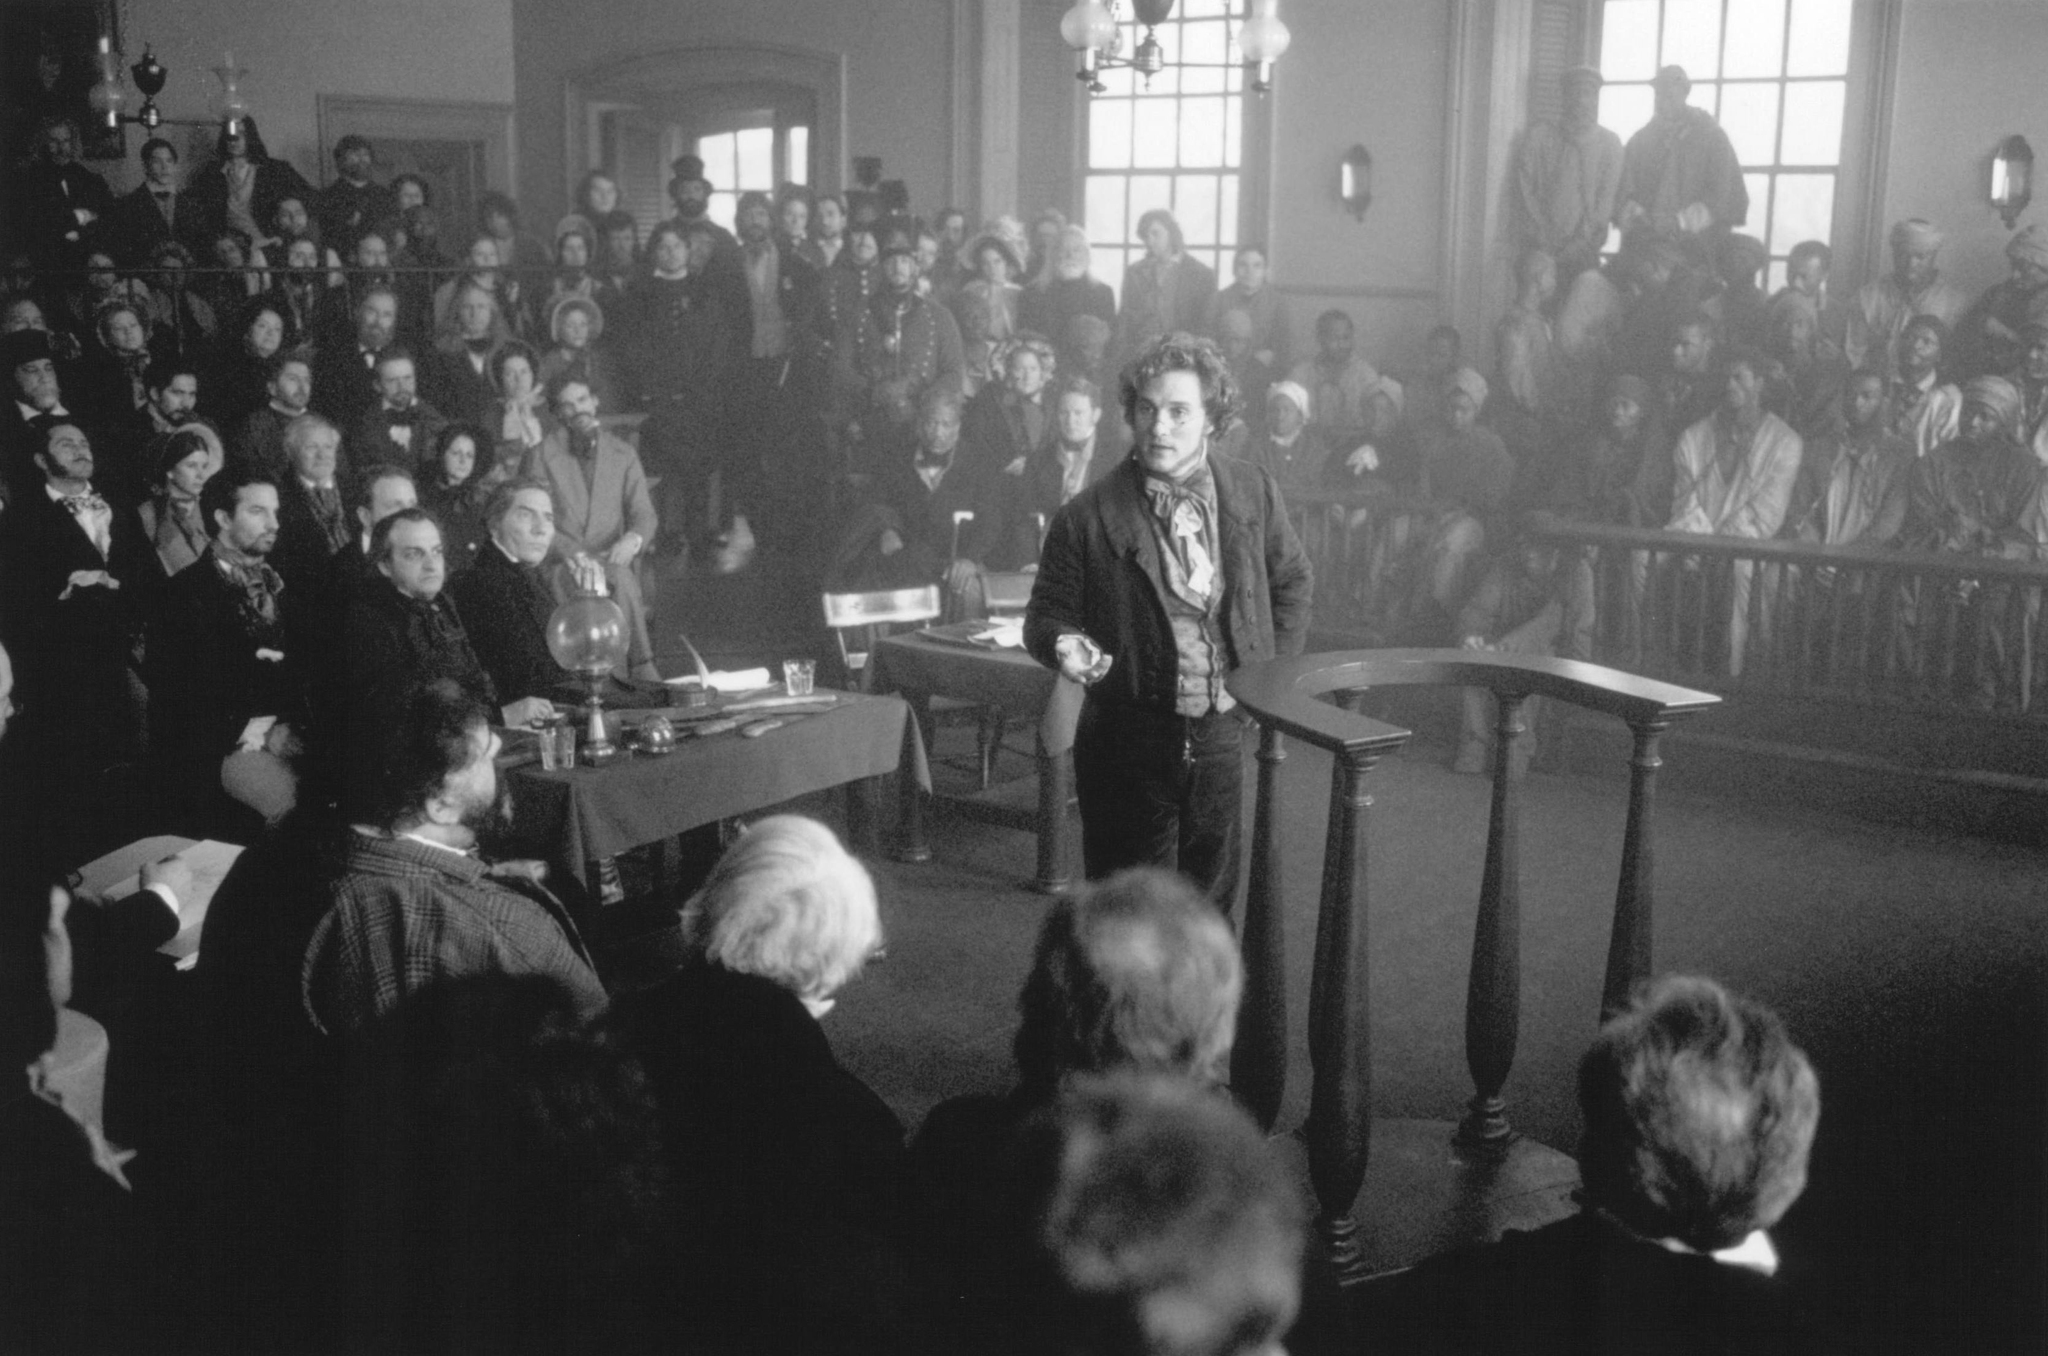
[1290, 697]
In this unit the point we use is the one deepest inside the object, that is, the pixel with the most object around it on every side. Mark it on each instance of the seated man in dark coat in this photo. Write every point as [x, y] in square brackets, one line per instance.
[312, 514]
[763, 1126]
[399, 428]
[1699, 1115]
[401, 633]
[507, 596]
[345, 371]
[225, 690]
[916, 527]
[258, 441]
[1139, 973]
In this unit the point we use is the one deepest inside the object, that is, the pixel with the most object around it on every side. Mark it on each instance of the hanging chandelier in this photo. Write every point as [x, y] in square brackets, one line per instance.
[1094, 30]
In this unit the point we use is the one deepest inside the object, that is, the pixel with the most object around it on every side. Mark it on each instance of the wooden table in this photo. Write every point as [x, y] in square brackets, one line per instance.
[927, 664]
[577, 815]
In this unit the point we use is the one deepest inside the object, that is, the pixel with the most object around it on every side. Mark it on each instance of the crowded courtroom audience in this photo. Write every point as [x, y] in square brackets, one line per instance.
[345, 491]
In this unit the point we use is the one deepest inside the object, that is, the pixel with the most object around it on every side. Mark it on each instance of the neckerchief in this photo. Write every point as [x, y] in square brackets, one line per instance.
[257, 586]
[1186, 512]
[94, 518]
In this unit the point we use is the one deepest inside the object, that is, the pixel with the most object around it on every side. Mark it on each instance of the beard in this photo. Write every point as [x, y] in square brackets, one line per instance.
[491, 822]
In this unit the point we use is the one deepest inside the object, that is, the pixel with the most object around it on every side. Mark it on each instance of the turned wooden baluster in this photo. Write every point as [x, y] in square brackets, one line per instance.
[1493, 992]
[1628, 950]
[1258, 1062]
[1339, 1128]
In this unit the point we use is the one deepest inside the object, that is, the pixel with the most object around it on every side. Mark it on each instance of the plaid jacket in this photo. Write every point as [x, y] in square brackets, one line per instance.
[406, 914]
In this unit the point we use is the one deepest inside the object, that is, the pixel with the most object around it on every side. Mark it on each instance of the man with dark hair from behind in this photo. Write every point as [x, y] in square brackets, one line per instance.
[504, 1177]
[1151, 1219]
[1699, 1115]
[1135, 973]
[414, 904]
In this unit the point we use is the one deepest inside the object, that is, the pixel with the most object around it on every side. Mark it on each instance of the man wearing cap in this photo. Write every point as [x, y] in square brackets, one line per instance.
[1679, 175]
[1567, 179]
[1975, 493]
[901, 345]
[1880, 309]
[1285, 447]
[1154, 585]
[1978, 494]
[353, 203]
[1466, 476]
[1988, 338]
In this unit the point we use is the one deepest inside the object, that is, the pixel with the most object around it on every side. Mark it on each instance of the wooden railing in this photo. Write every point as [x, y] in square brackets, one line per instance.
[1950, 634]
[1946, 635]
[1290, 697]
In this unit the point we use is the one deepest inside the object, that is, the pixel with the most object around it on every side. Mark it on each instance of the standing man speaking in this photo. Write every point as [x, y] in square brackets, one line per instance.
[1154, 585]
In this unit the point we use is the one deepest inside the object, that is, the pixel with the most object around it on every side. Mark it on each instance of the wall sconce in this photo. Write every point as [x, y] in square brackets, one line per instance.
[1354, 180]
[229, 102]
[107, 95]
[2012, 178]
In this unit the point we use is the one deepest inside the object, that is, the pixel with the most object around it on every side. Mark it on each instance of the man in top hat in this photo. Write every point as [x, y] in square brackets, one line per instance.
[1567, 179]
[1679, 176]
[1879, 311]
[690, 191]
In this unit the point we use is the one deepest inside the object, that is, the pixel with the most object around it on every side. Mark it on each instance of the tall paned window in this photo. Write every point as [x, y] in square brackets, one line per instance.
[1174, 142]
[736, 162]
[1775, 73]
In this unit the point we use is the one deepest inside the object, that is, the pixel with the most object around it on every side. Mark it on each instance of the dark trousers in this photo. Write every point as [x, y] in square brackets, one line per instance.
[1161, 790]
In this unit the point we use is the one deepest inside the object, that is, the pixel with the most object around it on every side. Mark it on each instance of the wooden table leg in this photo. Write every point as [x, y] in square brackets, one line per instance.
[863, 798]
[1055, 789]
[914, 847]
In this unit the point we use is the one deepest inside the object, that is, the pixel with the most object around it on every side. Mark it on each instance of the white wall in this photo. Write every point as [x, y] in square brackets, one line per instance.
[1971, 72]
[1374, 72]
[296, 50]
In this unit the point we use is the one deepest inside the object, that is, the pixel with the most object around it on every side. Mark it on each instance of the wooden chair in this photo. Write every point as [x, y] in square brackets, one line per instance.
[870, 614]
